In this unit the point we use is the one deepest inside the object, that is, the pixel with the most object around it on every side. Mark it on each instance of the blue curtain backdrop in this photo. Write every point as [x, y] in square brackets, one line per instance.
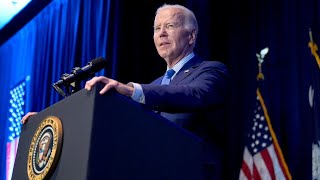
[64, 35]
[70, 33]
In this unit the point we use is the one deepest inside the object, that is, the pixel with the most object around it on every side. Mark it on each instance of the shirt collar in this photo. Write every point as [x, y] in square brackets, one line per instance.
[181, 63]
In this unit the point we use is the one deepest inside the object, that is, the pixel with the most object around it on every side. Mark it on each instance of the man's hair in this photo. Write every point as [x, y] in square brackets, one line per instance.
[190, 18]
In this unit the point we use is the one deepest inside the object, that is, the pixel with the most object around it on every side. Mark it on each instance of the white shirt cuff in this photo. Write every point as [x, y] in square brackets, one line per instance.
[137, 95]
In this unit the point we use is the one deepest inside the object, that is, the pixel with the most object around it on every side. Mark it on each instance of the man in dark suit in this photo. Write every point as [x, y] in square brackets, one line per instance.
[194, 96]
[193, 92]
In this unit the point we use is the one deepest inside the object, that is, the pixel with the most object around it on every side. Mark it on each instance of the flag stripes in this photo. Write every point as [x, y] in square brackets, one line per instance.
[262, 157]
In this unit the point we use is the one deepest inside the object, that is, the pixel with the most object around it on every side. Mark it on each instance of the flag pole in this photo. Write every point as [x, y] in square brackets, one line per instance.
[260, 77]
[262, 156]
[314, 48]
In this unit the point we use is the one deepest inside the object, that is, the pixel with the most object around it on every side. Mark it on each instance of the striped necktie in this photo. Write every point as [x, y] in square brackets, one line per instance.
[167, 77]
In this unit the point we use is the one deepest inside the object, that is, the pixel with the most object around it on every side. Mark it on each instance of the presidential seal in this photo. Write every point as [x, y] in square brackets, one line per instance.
[45, 148]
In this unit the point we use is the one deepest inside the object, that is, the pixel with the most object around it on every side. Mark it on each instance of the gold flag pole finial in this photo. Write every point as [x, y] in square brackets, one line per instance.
[260, 57]
[314, 48]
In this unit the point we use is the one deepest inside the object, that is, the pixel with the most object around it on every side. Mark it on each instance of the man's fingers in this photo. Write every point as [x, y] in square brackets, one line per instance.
[90, 83]
[26, 117]
[108, 86]
[95, 80]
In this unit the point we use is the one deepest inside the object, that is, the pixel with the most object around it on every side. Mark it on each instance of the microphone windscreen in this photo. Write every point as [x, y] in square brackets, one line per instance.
[98, 61]
[98, 64]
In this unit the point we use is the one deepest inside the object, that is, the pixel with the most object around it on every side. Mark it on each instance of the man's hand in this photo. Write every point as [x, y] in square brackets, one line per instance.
[26, 117]
[110, 83]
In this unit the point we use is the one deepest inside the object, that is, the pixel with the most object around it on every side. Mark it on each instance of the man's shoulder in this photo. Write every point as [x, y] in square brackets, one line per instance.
[201, 64]
[213, 64]
[206, 62]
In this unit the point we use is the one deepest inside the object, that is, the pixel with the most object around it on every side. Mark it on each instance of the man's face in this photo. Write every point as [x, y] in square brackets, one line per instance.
[171, 38]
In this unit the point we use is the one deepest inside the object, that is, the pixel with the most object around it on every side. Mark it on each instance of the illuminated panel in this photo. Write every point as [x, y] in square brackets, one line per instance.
[16, 111]
[10, 8]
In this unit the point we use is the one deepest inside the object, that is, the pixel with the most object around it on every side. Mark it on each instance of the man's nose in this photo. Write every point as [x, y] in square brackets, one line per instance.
[163, 31]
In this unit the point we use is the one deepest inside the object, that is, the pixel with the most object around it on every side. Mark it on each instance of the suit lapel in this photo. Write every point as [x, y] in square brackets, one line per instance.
[186, 70]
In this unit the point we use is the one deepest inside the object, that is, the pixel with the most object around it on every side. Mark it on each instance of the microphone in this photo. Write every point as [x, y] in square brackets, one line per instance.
[72, 80]
[87, 71]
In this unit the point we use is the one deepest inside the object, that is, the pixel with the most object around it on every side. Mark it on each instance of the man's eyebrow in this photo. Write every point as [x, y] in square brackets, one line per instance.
[172, 22]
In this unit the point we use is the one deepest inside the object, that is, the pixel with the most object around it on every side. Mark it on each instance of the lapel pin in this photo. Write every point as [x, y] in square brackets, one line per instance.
[186, 71]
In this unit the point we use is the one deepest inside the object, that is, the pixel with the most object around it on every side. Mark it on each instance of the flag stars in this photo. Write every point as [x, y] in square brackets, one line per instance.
[253, 136]
[257, 142]
[259, 135]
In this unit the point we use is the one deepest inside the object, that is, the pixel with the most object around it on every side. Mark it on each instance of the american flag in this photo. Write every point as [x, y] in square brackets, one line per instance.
[313, 112]
[262, 156]
[16, 111]
[12, 147]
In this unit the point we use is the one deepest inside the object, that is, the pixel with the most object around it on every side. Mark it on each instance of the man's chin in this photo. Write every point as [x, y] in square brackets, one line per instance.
[163, 54]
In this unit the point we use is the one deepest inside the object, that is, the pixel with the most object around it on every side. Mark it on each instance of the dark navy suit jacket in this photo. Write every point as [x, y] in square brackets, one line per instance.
[195, 99]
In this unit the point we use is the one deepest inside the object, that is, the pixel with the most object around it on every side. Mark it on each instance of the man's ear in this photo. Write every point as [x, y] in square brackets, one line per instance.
[192, 36]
